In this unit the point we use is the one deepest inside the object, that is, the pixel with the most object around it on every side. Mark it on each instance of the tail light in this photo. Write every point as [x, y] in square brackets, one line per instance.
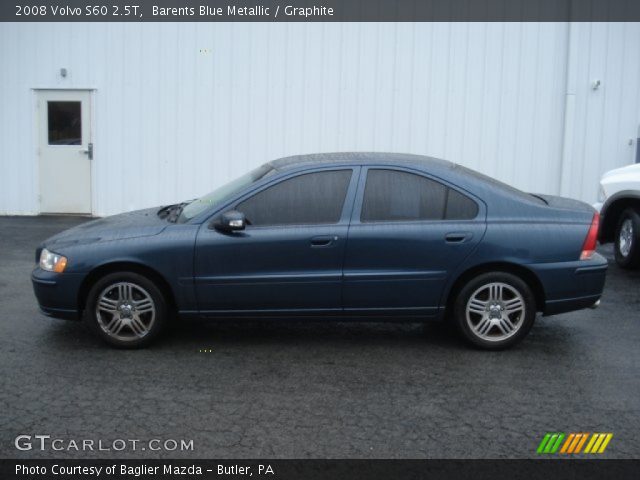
[589, 246]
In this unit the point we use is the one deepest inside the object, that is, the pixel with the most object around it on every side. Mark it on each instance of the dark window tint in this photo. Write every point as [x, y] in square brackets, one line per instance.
[64, 123]
[460, 207]
[393, 196]
[308, 199]
[496, 184]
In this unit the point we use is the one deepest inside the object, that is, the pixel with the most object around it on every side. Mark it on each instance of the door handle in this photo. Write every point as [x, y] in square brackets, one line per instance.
[88, 151]
[457, 237]
[323, 241]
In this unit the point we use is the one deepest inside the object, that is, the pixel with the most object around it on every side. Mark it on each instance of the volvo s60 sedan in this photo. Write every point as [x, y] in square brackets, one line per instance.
[390, 236]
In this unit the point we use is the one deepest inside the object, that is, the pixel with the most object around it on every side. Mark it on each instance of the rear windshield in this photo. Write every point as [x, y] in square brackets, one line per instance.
[500, 185]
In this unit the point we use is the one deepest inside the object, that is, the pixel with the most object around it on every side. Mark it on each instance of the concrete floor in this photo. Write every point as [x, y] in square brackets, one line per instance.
[312, 389]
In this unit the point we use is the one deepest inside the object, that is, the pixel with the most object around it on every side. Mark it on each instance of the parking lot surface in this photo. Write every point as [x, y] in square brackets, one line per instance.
[308, 389]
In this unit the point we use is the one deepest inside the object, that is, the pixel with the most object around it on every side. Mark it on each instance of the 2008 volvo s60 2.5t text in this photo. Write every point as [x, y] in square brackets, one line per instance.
[332, 235]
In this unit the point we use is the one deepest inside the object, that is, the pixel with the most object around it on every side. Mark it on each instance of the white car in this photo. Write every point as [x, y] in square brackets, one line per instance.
[619, 207]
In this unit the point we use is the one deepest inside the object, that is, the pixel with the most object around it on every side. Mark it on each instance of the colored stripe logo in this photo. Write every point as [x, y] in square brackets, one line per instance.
[573, 443]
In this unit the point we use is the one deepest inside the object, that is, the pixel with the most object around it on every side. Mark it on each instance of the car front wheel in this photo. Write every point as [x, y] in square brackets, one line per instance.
[627, 246]
[495, 310]
[126, 310]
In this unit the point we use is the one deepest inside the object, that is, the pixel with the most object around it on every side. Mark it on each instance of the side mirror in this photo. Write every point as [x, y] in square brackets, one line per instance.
[230, 221]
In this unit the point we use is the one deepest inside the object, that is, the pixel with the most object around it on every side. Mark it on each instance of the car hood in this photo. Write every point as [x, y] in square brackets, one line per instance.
[139, 223]
[629, 169]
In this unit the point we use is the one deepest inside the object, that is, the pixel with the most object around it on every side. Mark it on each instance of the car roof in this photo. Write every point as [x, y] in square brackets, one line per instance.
[362, 158]
[472, 181]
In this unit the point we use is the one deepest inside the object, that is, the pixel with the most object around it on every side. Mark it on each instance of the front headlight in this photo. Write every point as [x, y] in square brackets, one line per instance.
[52, 262]
[602, 196]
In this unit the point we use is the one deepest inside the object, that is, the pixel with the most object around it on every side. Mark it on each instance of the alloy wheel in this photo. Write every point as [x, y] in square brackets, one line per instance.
[125, 311]
[495, 311]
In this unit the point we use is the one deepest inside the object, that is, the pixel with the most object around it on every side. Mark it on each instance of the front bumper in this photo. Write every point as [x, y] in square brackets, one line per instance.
[57, 293]
[572, 285]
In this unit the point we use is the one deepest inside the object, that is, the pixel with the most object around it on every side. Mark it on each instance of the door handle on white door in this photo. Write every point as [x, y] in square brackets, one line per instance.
[88, 151]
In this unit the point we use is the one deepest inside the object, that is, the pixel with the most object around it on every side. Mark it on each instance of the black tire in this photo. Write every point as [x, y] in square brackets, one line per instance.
[629, 259]
[127, 336]
[495, 338]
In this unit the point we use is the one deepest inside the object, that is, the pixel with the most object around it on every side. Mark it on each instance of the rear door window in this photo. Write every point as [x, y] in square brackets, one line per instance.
[394, 195]
[459, 206]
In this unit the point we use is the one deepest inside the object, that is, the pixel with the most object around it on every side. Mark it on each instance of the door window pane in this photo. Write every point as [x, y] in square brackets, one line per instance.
[309, 199]
[460, 207]
[64, 123]
[391, 195]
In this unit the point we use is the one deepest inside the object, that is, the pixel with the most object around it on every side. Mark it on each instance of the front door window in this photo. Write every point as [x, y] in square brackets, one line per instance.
[308, 199]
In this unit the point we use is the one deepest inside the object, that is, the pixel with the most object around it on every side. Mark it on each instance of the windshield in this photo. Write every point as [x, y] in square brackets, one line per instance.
[222, 193]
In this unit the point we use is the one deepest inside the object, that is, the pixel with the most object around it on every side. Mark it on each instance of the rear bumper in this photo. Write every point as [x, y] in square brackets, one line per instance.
[57, 293]
[572, 286]
[553, 307]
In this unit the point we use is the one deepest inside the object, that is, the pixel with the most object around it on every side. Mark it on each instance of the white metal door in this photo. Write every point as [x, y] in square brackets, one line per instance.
[65, 150]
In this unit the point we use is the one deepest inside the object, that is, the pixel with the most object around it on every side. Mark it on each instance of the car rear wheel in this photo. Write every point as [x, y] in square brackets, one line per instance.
[126, 310]
[627, 245]
[495, 310]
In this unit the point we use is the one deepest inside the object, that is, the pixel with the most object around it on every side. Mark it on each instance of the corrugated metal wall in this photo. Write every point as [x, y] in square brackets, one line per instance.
[602, 123]
[181, 108]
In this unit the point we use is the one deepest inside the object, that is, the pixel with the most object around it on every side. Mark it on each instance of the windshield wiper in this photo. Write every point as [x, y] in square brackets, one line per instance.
[171, 211]
[175, 211]
[164, 211]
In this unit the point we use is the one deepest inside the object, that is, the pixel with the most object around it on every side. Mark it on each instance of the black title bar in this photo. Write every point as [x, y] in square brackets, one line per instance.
[319, 10]
[557, 469]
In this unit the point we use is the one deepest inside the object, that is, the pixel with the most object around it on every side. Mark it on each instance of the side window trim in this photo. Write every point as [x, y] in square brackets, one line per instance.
[347, 206]
[362, 182]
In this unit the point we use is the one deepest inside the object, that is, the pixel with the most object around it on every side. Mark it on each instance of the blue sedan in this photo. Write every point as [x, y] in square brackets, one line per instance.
[386, 236]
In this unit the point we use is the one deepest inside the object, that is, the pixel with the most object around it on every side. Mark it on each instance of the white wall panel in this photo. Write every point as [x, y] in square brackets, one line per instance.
[182, 108]
[602, 124]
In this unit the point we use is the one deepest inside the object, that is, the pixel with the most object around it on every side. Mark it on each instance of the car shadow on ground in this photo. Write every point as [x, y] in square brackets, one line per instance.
[196, 335]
